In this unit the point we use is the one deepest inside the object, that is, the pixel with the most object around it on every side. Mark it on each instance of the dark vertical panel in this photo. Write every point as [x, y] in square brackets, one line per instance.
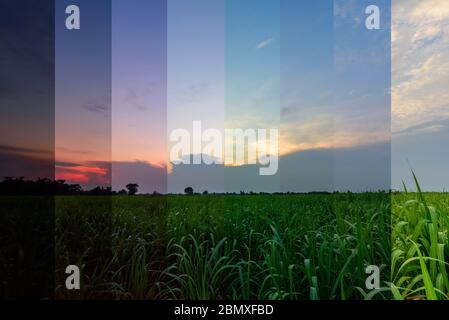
[26, 149]
[83, 147]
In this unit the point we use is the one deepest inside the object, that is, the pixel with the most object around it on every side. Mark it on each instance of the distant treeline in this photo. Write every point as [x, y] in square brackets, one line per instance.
[20, 186]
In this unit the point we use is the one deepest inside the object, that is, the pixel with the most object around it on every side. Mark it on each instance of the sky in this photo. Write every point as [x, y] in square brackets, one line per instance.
[83, 95]
[357, 109]
[195, 79]
[139, 99]
[252, 81]
[27, 90]
[420, 99]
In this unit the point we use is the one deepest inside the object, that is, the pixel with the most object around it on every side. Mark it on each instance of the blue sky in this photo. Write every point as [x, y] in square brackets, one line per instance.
[252, 78]
[307, 81]
[252, 63]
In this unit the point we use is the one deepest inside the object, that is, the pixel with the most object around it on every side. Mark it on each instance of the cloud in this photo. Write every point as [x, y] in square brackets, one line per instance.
[426, 127]
[357, 169]
[88, 174]
[425, 149]
[24, 150]
[96, 108]
[321, 127]
[191, 93]
[326, 169]
[311, 133]
[66, 164]
[420, 61]
[25, 162]
[72, 151]
[148, 176]
[264, 43]
[138, 98]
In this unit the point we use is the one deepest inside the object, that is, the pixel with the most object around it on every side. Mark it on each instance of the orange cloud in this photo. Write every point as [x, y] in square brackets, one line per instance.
[87, 175]
[78, 178]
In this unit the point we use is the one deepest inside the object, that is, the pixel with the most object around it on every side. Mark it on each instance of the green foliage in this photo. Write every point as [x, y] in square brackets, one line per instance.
[420, 253]
[255, 246]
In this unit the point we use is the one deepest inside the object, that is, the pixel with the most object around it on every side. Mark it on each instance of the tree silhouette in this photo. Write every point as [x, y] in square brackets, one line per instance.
[132, 188]
[188, 190]
[41, 186]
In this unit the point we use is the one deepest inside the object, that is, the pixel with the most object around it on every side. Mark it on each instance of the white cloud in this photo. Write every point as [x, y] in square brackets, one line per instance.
[264, 43]
[420, 61]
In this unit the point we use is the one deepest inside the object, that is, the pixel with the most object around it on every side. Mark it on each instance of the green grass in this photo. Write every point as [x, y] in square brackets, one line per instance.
[420, 253]
[255, 246]
[224, 247]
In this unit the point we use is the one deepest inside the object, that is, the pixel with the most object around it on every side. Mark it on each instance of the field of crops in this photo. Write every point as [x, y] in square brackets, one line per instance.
[254, 246]
[420, 255]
